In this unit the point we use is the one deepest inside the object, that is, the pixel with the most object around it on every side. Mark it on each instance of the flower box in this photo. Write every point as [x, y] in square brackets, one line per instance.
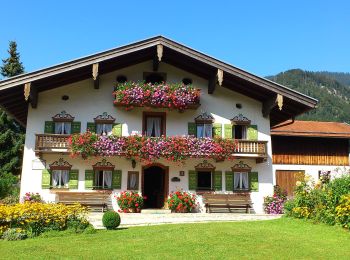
[162, 95]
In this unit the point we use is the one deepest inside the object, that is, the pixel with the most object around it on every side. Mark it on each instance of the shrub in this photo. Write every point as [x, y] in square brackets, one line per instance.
[343, 211]
[111, 220]
[36, 217]
[181, 201]
[13, 234]
[274, 204]
[90, 230]
[7, 184]
[130, 200]
[32, 197]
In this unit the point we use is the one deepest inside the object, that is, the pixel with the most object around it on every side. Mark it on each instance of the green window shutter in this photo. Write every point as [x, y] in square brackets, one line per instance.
[217, 130]
[46, 179]
[76, 127]
[73, 179]
[89, 179]
[49, 127]
[91, 126]
[117, 129]
[228, 131]
[192, 180]
[252, 132]
[254, 181]
[218, 180]
[192, 129]
[229, 181]
[117, 179]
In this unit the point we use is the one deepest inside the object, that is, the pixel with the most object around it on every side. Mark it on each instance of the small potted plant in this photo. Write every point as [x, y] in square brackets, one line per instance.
[130, 201]
[181, 201]
[32, 197]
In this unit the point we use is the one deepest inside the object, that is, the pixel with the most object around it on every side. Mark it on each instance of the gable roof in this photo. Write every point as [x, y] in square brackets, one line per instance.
[12, 97]
[312, 129]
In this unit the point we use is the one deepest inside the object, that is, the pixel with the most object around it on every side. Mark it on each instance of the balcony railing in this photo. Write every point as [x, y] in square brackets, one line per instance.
[55, 143]
[51, 143]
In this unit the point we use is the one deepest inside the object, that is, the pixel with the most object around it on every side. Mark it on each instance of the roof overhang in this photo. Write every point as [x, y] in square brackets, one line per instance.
[13, 101]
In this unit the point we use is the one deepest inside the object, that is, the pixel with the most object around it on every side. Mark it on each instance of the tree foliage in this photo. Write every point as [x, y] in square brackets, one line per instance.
[11, 133]
[333, 97]
[12, 66]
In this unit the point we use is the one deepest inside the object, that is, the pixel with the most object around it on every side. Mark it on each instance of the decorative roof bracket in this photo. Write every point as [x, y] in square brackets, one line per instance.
[95, 75]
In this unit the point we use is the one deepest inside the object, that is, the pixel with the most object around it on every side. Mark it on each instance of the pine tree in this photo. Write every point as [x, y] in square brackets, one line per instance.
[11, 133]
[12, 65]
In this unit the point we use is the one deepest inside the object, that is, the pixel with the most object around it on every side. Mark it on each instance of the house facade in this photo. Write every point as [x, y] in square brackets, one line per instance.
[309, 148]
[234, 106]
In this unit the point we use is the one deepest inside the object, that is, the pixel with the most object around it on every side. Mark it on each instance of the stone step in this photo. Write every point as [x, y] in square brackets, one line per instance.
[155, 211]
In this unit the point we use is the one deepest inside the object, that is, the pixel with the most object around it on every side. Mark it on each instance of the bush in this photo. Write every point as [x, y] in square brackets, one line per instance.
[7, 184]
[130, 200]
[274, 204]
[13, 234]
[37, 218]
[90, 230]
[343, 211]
[327, 201]
[111, 220]
[32, 197]
[181, 201]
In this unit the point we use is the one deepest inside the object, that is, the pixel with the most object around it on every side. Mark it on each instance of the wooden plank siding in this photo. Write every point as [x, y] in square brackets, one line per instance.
[310, 151]
[287, 180]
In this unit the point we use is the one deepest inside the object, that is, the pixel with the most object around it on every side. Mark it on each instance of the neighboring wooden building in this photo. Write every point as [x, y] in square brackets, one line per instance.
[308, 147]
[78, 95]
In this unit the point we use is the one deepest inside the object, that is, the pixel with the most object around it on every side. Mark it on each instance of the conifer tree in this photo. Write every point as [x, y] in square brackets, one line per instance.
[12, 65]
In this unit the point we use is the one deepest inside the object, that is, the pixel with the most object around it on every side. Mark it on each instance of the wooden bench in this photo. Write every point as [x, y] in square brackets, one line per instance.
[97, 200]
[227, 201]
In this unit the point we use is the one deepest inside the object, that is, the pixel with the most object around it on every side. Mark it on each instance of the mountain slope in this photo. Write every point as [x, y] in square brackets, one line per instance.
[334, 97]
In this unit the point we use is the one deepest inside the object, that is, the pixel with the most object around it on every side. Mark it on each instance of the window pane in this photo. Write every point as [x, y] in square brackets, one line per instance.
[200, 131]
[107, 179]
[245, 181]
[154, 126]
[67, 126]
[208, 130]
[236, 181]
[99, 129]
[108, 129]
[59, 127]
[204, 180]
[56, 178]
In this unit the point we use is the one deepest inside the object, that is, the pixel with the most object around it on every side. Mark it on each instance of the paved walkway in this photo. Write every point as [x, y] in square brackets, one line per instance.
[139, 219]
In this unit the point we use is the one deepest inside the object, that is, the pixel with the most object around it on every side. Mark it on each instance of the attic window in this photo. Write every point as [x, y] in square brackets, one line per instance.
[122, 79]
[154, 78]
[187, 81]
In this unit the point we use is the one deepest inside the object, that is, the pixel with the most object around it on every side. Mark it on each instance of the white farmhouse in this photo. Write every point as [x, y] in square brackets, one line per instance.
[69, 98]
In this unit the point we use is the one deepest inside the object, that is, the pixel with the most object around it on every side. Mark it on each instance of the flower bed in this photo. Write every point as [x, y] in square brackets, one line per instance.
[130, 201]
[35, 218]
[162, 95]
[181, 201]
[175, 148]
[274, 204]
[327, 202]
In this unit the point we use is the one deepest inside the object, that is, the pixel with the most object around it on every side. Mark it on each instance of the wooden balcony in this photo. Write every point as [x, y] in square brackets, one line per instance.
[51, 143]
[55, 143]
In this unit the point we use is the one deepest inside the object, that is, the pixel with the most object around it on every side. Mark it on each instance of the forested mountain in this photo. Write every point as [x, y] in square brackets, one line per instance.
[333, 96]
[341, 77]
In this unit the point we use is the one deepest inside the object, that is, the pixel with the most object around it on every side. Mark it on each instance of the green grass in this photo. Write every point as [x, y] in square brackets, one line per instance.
[275, 239]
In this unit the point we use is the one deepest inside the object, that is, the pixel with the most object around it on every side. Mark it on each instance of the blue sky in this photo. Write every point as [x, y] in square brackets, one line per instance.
[263, 37]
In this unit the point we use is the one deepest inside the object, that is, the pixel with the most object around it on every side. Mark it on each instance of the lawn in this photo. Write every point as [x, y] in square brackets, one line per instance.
[275, 239]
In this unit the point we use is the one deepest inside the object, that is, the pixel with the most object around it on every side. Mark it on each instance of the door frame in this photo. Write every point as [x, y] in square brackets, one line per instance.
[166, 179]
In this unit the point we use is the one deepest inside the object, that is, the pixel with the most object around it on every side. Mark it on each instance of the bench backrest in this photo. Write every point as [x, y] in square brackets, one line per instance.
[226, 198]
[82, 197]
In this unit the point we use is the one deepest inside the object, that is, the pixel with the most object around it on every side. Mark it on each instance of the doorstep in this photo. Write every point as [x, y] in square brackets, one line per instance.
[155, 211]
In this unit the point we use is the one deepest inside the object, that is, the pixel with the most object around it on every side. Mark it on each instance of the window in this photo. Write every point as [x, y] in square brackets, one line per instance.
[204, 180]
[240, 181]
[133, 180]
[60, 178]
[240, 132]
[104, 124]
[104, 129]
[154, 124]
[204, 130]
[103, 179]
[63, 128]
[204, 125]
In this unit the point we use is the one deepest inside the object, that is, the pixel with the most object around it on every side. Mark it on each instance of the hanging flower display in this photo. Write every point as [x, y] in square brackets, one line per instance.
[149, 149]
[162, 95]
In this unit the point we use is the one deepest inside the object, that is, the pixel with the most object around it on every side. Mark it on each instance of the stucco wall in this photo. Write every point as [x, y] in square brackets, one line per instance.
[85, 103]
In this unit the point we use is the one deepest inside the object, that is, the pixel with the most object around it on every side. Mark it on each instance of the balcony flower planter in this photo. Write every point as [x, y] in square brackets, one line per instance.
[162, 95]
[149, 149]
